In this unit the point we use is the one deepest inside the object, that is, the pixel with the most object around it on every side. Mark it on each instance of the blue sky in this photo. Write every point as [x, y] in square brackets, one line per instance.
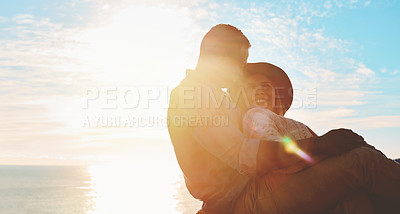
[342, 57]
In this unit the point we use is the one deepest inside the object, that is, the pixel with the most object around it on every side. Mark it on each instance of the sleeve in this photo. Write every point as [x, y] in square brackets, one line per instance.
[260, 123]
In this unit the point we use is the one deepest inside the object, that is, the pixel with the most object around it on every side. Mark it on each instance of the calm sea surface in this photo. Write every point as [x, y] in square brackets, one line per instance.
[108, 189]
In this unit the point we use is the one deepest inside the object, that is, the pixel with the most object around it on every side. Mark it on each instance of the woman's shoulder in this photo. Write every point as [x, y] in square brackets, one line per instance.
[260, 117]
[258, 111]
[261, 123]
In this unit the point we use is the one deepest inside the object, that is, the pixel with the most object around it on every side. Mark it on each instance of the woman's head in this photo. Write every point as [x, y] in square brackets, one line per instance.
[264, 85]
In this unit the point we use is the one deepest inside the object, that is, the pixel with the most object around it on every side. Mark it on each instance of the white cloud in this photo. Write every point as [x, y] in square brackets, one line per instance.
[24, 19]
[323, 121]
[340, 103]
[46, 65]
[145, 43]
[23, 16]
[337, 97]
[3, 19]
[362, 69]
[311, 58]
[328, 5]
[394, 72]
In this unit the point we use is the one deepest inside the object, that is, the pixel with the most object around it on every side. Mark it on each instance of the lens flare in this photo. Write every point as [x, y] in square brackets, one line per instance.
[291, 147]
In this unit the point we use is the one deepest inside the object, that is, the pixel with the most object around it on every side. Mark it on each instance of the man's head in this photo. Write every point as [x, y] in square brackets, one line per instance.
[223, 52]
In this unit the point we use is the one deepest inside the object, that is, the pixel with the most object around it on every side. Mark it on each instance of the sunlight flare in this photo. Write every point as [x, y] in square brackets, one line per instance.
[134, 186]
[291, 147]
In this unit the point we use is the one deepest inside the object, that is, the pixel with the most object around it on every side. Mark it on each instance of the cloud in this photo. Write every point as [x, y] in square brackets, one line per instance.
[45, 65]
[394, 72]
[335, 97]
[23, 19]
[312, 58]
[362, 69]
[25, 130]
[23, 16]
[3, 19]
[37, 63]
[323, 121]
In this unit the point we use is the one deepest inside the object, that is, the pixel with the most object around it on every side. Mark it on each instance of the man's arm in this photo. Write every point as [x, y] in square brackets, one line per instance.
[217, 131]
[272, 155]
[247, 156]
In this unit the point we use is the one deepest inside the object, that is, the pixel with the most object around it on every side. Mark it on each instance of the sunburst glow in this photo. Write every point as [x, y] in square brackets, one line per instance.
[135, 187]
[137, 41]
[291, 147]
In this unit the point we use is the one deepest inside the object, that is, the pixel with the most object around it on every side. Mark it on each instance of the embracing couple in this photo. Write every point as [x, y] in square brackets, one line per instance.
[259, 161]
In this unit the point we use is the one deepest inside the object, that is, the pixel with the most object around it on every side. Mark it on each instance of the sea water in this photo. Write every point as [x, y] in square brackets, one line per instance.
[111, 189]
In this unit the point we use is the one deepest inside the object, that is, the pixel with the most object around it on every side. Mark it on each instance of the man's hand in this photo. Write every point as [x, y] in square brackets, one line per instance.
[272, 155]
[337, 141]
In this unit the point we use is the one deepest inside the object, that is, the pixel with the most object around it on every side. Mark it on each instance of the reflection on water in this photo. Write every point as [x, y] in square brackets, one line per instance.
[135, 186]
[45, 189]
[140, 185]
[186, 204]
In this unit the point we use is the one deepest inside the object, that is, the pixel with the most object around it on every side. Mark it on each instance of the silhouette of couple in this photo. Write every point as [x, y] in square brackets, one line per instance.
[261, 161]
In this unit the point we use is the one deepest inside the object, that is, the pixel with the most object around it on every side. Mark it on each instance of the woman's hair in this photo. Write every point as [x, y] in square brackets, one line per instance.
[278, 109]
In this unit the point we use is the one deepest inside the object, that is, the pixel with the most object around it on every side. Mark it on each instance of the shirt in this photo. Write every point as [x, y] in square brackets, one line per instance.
[216, 158]
[264, 124]
[261, 123]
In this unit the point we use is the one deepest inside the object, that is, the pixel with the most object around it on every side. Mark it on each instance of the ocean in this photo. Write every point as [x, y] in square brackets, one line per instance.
[105, 189]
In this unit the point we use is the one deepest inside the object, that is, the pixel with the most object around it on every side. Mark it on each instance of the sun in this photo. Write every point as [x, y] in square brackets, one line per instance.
[139, 44]
[135, 47]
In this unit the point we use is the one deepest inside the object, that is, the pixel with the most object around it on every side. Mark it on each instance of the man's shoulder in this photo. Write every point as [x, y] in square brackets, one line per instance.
[187, 89]
[179, 91]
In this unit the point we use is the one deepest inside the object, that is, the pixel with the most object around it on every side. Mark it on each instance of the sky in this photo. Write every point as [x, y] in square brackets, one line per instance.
[71, 71]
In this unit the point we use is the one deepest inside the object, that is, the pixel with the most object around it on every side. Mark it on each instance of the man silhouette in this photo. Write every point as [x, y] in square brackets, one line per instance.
[220, 164]
[215, 175]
